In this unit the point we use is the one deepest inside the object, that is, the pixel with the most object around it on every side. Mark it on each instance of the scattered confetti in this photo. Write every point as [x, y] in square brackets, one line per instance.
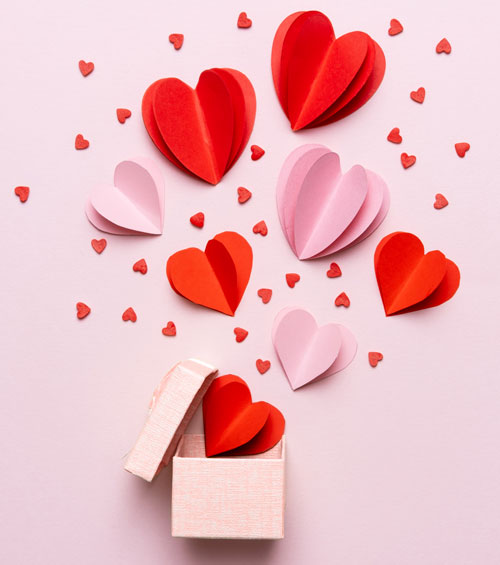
[99, 245]
[342, 300]
[374, 357]
[334, 271]
[257, 152]
[440, 202]
[260, 227]
[462, 148]
[407, 160]
[265, 294]
[395, 27]
[262, 366]
[85, 68]
[243, 194]
[123, 114]
[169, 330]
[129, 315]
[394, 136]
[22, 192]
[81, 142]
[240, 334]
[140, 266]
[244, 21]
[176, 39]
[82, 310]
[198, 220]
[292, 279]
[443, 46]
[418, 95]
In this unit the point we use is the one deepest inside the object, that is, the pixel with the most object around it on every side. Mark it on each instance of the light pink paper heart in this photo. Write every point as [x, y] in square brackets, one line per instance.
[321, 210]
[307, 352]
[134, 204]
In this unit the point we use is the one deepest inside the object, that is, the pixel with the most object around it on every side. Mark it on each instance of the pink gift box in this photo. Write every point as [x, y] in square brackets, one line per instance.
[212, 497]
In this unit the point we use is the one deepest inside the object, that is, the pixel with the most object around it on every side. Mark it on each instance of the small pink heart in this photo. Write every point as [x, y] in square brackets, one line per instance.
[307, 352]
[134, 204]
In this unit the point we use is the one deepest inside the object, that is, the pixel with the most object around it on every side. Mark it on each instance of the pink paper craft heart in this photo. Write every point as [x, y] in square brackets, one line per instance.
[321, 210]
[307, 352]
[134, 204]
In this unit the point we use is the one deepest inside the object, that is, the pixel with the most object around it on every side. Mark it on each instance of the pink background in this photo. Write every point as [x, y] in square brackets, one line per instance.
[392, 465]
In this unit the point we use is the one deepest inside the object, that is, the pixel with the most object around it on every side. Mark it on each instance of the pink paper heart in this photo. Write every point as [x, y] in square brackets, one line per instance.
[134, 204]
[307, 352]
[321, 210]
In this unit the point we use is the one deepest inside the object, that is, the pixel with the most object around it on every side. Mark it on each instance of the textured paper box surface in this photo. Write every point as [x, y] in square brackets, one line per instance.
[227, 497]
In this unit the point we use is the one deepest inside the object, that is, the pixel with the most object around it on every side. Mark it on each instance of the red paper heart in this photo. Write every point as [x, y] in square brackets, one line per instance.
[262, 366]
[140, 266]
[129, 315]
[198, 220]
[215, 278]
[265, 294]
[243, 195]
[85, 68]
[462, 148]
[320, 79]
[260, 227]
[257, 152]
[169, 329]
[418, 95]
[443, 46]
[176, 39]
[440, 202]
[407, 160]
[22, 192]
[292, 279]
[81, 142]
[244, 21]
[334, 271]
[342, 300]
[240, 334]
[236, 426]
[410, 280]
[394, 136]
[395, 27]
[201, 131]
[82, 310]
[374, 357]
[123, 114]
[99, 245]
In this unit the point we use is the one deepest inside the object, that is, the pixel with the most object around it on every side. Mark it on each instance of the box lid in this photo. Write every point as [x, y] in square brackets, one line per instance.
[174, 403]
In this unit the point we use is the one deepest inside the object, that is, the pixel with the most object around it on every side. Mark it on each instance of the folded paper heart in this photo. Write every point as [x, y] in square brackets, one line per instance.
[319, 78]
[215, 278]
[321, 210]
[134, 204]
[410, 279]
[234, 425]
[307, 352]
[204, 130]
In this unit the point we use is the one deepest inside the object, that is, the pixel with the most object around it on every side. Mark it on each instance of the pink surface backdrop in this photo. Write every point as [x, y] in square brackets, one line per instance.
[397, 464]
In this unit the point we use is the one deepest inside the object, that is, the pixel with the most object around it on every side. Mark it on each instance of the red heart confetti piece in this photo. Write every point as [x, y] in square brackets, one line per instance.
[418, 95]
[176, 39]
[129, 315]
[394, 136]
[169, 330]
[240, 334]
[257, 152]
[244, 21]
[265, 294]
[374, 357]
[292, 279]
[99, 245]
[243, 195]
[395, 28]
[140, 266]
[262, 366]
[334, 271]
[440, 202]
[81, 142]
[85, 68]
[22, 192]
[342, 300]
[260, 227]
[198, 220]
[462, 148]
[123, 114]
[407, 160]
[443, 46]
[82, 310]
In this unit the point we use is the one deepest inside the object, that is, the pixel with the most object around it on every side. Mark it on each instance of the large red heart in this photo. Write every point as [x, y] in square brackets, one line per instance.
[410, 279]
[204, 130]
[319, 78]
[215, 278]
[236, 426]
